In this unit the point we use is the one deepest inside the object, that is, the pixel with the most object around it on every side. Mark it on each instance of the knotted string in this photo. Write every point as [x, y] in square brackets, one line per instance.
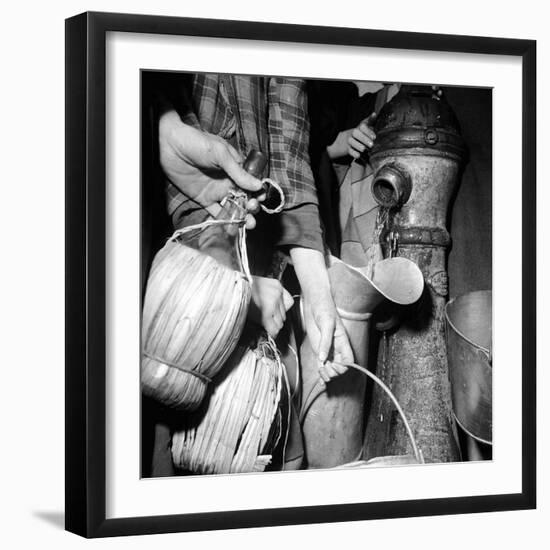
[237, 197]
[268, 347]
[241, 242]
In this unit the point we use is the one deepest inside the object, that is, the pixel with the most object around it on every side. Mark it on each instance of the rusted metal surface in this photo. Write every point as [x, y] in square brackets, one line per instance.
[391, 186]
[419, 132]
[469, 322]
[419, 121]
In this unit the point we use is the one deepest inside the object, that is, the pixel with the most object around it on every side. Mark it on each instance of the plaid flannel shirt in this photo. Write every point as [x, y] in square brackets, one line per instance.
[265, 113]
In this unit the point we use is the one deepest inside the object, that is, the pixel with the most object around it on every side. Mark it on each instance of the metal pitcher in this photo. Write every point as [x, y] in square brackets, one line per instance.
[334, 424]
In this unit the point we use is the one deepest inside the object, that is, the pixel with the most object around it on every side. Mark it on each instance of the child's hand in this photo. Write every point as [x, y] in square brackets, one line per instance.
[354, 141]
[327, 336]
[269, 304]
[323, 325]
[361, 138]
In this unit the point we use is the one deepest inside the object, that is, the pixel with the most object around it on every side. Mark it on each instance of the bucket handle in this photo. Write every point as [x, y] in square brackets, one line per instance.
[312, 396]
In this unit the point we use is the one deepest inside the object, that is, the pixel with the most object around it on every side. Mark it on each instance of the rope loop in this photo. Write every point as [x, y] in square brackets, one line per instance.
[281, 205]
[203, 225]
[241, 239]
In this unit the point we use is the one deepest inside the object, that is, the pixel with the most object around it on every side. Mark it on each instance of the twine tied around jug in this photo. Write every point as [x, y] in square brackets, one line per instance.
[197, 299]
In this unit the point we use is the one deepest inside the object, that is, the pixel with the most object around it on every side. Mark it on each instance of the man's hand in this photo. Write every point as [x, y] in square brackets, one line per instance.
[269, 304]
[203, 166]
[323, 325]
[355, 141]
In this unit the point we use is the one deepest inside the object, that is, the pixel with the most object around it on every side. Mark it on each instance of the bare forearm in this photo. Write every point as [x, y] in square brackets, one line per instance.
[311, 270]
[323, 326]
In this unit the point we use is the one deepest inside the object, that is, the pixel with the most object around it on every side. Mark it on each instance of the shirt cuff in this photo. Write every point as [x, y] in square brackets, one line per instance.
[301, 226]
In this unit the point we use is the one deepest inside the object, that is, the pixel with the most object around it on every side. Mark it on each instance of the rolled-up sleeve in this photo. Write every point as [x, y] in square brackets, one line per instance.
[289, 164]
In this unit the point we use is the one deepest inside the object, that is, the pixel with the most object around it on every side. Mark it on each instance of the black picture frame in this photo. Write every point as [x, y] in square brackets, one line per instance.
[86, 262]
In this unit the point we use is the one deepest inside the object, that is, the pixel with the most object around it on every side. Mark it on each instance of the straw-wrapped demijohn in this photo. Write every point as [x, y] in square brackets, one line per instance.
[196, 302]
[236, 429]
[193, 314]
[195, 307]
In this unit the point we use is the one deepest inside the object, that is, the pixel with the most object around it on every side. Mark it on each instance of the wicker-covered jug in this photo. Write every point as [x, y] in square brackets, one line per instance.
[237, 427]
[196, 303]
[194, 309]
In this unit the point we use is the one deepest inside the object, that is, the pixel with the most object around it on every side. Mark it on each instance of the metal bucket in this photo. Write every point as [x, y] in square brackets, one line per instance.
[469, 336]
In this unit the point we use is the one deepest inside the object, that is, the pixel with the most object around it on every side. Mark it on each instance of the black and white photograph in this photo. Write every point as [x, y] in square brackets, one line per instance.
[295, 255]
[261, 260]
[316, 273]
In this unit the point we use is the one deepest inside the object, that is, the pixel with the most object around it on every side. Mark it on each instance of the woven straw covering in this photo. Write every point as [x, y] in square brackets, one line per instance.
[236, 427]
[193, 315]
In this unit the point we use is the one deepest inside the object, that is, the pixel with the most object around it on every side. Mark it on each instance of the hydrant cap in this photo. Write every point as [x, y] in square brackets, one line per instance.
[417, 117]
